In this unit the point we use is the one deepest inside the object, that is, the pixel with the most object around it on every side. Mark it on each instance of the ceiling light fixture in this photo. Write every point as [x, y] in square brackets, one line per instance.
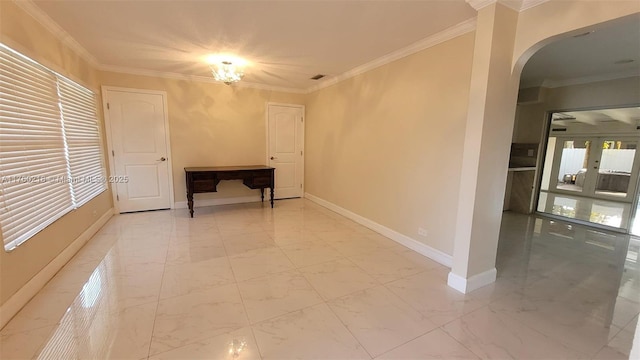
[226, 71]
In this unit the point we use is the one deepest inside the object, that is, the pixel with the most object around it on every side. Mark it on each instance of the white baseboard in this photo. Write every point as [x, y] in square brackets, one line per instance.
[415, 245]
[221, 201]
[11, 307]
[472, 283]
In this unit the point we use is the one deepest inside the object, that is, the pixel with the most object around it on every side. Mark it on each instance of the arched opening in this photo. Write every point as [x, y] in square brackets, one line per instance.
[570, 270]
[576, 90]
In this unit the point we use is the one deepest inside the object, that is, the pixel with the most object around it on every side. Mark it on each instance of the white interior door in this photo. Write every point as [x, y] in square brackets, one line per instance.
[139, 149]
[285, 149]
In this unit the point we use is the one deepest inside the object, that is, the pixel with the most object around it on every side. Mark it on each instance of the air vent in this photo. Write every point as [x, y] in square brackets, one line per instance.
[556, 130]
[584, 34]
[318, 77]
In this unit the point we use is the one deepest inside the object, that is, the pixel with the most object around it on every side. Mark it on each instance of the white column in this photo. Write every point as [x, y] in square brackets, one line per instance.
[490, 119]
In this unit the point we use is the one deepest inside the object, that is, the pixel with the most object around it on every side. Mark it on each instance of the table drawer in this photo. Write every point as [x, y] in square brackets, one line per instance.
[262, 181]
[204, 186]
[203, 176]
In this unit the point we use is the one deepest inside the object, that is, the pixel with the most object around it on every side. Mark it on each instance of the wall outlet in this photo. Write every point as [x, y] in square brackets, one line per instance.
[95, 213]
[423, 232]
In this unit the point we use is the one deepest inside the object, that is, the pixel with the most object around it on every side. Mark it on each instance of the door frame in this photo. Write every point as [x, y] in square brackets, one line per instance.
[167, 135]
[266, 131]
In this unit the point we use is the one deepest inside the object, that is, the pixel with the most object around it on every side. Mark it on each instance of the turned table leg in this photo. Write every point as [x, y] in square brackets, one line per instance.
[272, 197]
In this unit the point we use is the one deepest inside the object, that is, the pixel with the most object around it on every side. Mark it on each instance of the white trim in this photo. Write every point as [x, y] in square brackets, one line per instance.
[480, 4]
[415, 245]
[48, 23]
[517, 5]
[198, 78]
[107, 123]
[474, 282]
[304, 116]
[433, 40]
[528, 4]
[18, 300]
[220, 201]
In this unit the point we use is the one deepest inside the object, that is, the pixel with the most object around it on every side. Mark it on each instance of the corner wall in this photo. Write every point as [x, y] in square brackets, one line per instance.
[387, 144]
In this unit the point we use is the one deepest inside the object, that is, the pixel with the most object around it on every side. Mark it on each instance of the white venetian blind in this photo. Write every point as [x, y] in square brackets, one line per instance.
[33, 156]
[83, 141]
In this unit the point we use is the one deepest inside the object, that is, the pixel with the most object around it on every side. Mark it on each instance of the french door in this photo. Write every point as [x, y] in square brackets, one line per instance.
[596, 167]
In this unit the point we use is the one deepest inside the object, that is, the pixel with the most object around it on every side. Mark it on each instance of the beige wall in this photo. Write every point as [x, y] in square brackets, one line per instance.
[387, 144]
[23, 33]
[531, 118]
[210, 124]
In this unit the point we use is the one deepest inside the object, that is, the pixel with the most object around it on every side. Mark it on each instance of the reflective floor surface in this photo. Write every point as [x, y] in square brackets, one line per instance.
[604, 212]
[301, 282]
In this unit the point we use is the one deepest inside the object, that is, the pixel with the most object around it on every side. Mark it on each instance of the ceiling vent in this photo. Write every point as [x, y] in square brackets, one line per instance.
[318, 77]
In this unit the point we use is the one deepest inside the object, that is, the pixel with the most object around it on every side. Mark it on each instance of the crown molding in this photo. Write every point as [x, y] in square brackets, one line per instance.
[43, 19]
[548, 83]
[197, 78]
[528, 4]
[479, 4]
[433, 40]
[517, 5]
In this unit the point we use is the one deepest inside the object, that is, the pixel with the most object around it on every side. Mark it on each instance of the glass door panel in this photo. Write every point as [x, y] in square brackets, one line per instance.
[615, 167]
[574, 165]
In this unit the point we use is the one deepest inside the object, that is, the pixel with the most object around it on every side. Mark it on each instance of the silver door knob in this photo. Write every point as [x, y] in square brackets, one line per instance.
[162, 159]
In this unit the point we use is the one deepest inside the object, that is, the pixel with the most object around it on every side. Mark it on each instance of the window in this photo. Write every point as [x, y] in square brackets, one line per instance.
[51, 159]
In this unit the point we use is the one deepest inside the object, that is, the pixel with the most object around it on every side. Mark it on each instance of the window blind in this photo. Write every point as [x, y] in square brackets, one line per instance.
[82, 135]
[51, 158]
[33, 156]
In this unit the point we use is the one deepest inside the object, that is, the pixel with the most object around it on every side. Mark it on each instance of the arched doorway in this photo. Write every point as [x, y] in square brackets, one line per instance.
[505, 40]
[574, 94]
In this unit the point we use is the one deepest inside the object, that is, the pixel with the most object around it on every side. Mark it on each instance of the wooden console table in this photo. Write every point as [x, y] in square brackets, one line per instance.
[205, 179]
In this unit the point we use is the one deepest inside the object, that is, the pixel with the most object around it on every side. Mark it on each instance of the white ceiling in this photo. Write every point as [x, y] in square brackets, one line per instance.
[587, 58]
[286, 42]
[600, 121]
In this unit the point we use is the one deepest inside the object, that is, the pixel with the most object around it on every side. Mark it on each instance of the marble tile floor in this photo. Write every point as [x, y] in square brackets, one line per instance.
[301, 282]
[615, 214]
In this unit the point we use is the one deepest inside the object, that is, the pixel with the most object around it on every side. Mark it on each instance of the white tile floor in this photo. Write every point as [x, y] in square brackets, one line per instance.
[301, 282]
[615, 214]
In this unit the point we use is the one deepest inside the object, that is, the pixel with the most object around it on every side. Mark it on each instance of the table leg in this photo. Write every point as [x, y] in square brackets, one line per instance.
[262, 194]
[190, 203]
[272, 197]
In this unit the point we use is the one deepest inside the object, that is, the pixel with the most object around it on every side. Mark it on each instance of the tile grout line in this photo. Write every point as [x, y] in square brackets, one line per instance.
[153, 327]
[349, 330]
[246, 313]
